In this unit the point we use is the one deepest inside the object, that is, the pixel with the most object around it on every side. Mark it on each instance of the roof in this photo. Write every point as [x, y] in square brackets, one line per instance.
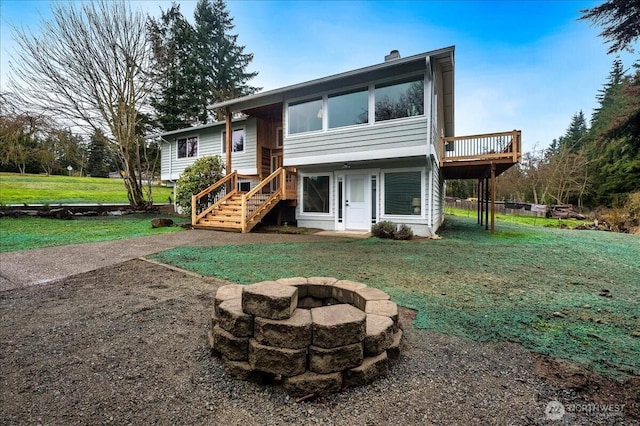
[196, 128]
[444, 57]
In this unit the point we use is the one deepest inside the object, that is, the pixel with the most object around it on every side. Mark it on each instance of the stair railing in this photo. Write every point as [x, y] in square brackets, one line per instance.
[254, 202]
[208, 199]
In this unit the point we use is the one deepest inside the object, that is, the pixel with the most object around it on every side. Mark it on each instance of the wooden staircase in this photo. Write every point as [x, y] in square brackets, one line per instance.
[223, 207]
[227, 216]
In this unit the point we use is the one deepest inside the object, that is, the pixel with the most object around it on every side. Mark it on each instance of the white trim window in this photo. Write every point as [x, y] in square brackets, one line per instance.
[316, 194]
[348, 108]
[238, 140]
[187, 147]
[402, 192]
[399, 99]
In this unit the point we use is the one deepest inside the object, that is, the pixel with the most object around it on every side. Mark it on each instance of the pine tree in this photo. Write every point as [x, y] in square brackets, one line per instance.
[99, 156]
[620, 20]
[576, 134]
[176, 66]
[614, 149]
[223, 63]
[608, 97]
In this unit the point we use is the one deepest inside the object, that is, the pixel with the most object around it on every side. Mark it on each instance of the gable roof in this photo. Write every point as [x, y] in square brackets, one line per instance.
[444, 57]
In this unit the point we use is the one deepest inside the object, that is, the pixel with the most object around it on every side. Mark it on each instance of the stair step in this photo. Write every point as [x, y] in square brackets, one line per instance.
[219, 228]
[221, 220]
[220, 224]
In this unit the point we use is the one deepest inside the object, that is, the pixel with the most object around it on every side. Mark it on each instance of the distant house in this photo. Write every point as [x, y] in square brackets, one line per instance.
[342, 152]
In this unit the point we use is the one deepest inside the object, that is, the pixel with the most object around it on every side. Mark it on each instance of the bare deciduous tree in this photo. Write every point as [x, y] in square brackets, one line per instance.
[90, 66]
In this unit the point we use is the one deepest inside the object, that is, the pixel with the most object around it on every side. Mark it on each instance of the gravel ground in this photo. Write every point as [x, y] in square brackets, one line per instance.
[126, 344]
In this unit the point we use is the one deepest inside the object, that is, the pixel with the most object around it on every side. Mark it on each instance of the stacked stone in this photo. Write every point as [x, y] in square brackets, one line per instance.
[316, 334]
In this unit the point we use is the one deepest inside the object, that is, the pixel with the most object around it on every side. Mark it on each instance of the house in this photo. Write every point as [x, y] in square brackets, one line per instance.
[344, 151]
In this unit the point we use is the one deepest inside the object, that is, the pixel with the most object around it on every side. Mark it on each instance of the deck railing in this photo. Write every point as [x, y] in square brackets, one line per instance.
[280, 185]
[490, 146]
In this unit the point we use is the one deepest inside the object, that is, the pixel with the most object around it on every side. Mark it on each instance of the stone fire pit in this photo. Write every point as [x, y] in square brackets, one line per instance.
[314, 335]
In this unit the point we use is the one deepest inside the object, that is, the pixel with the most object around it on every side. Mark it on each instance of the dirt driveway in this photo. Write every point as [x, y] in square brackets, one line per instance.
[126, 344]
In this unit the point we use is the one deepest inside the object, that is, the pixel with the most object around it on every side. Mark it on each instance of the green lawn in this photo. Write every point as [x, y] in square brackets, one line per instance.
[54, 190]
[24, 233]
[533, 285]
[521, 220]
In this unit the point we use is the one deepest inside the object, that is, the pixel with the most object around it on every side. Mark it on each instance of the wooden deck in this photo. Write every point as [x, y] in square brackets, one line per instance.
[483, 158]
[472, 157]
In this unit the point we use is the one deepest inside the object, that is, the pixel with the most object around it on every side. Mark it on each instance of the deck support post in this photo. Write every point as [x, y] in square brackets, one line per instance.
[493, 196]
[479, 202]
[486, 203]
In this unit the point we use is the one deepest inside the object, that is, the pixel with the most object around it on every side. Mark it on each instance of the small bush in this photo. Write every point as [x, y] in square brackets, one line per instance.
[203, 173]
[384, 229]
[390, 230]
[403, 232]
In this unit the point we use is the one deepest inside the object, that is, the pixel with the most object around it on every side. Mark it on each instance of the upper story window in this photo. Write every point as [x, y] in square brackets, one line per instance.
[237, 140]
[384, 101]
[305, 116]
[397, 100]
[188, 147]
[347, 109]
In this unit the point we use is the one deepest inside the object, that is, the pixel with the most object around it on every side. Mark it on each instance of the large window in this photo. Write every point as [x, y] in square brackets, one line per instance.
[348, 108]
[305, 116]
[402, 193]
[237, 141]
[315, 194]
[188, 147]
[399, 100]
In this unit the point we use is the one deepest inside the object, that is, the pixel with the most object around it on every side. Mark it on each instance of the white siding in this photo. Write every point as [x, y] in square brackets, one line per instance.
[245, 162]
[209, 143]
[405, 137]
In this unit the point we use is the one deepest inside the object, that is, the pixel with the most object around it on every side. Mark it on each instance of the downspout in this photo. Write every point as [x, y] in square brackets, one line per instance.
[431, 197]
[430, 155]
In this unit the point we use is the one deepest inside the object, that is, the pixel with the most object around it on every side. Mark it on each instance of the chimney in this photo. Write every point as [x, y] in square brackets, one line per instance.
[394, 54]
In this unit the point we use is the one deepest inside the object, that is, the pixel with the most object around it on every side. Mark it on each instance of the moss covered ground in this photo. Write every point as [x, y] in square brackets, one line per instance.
[567, 293]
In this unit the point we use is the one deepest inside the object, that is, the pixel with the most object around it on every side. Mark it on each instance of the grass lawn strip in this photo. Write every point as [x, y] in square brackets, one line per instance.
[537, 286]
[54, 190]
[24, 233]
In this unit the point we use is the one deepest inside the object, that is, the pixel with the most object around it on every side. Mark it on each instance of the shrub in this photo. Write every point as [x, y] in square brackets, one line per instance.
[387, 229]
[384, 229]
[403, 232]
[623, 218]
[203, 173]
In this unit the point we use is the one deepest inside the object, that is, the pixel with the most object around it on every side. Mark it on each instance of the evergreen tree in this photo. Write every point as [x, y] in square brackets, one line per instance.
[620, 20]
[223, 63]
[554, 147]
[576, 134]
[99, 161]
[197, 65]
[614, 149]
[609, 98]
[176, 67]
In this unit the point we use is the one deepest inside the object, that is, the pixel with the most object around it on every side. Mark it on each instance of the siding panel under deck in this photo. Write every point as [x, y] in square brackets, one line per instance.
[387, 136]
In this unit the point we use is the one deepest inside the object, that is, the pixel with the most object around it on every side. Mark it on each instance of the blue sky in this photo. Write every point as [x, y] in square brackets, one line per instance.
[527, 65]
